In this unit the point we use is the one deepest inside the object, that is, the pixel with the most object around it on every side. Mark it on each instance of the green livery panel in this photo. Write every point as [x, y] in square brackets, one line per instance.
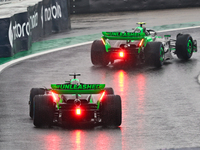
[77, 89]
[97, 91]
[123, 35]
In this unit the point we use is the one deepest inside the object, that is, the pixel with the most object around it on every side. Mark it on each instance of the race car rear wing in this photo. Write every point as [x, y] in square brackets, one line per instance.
[77, 89]
[123, 35]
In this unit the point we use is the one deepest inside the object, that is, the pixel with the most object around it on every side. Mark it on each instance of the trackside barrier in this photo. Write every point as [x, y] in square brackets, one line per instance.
[44, 18]
[96, 6]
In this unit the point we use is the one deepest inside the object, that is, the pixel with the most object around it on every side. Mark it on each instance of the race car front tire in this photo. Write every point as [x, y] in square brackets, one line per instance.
[154, 54]
[99, 55]
[184, 46]
[111, 111]
[33, 93]
[43, 110]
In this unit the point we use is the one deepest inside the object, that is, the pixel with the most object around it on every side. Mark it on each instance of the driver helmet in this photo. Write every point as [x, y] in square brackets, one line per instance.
[75, 81]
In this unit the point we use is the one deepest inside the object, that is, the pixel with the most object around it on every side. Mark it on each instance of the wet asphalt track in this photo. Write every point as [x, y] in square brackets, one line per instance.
[161, 107]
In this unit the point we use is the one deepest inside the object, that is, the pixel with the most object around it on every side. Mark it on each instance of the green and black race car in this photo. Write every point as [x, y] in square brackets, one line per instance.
[141, 46]
[74, 103]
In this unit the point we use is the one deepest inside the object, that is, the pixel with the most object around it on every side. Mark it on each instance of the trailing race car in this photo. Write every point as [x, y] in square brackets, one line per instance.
[74, 103]
[141, 46]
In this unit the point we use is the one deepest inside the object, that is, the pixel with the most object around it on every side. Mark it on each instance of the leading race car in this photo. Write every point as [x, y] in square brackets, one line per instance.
[75, 103]
[141, 46]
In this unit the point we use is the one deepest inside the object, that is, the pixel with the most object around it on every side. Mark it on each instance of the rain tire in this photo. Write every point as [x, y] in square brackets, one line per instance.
[99, 56]
[154, 54]
[184, 46]
[111, 111]
[43, 110]
[109, 90]
[33, 93]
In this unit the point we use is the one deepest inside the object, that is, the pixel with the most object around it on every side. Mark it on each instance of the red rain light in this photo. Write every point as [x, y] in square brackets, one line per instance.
[141, 43]
[102, 96]
[78, 111]
[121, 54]
[54, 97]
[104, 43]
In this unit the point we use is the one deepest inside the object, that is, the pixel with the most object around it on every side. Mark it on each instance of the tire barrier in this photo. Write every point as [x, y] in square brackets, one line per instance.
[22, 29]
[96, 6]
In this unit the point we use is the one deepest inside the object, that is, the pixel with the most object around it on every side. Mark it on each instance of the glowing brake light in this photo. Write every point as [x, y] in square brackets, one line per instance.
[54, 97]
[104, 43]
[102, 96]
[121, 54]
[141, 43]
[78, 111]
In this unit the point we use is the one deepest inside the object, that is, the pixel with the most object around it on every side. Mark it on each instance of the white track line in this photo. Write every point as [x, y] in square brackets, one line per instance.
[10, 63]
[179, 29]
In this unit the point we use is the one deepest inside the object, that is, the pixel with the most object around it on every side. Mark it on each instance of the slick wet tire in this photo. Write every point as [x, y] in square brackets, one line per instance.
[99, 55]
[111, 111]
[184, 46]
[43, 110]
[109, 90]
[33, 93]
[154, 54]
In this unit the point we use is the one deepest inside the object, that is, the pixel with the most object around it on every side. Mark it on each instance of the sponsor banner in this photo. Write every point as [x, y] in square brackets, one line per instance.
[40, 20]
[19, 30]
[60, 15]
[47, 11]
[34, 19]
[4, 26]
[5, 48]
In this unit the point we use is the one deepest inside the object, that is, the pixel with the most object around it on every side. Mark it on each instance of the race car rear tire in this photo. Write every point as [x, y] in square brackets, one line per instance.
[33, 93]
[111, 111]
[109, 90]
[43, 110]
[184, 46]
[99, 55]
[154, 54]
